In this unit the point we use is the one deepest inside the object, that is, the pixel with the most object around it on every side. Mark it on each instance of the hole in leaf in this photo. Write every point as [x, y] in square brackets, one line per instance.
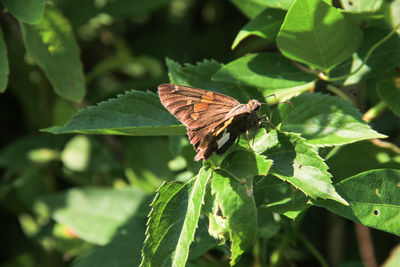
[376, 212]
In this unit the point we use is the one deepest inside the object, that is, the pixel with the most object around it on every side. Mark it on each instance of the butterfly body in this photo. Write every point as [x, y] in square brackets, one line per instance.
[213, 120]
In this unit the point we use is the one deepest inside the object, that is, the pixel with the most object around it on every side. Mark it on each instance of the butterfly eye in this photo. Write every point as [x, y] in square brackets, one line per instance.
[255, 104]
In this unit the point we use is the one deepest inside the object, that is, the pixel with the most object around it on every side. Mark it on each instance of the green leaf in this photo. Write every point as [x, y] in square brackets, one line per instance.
[317, 34]
[134, 113]
[91, 213]
[26, 11]
[389, 90]
[252, 8]
[173, 221]
[244, 164]
[200, 76]
[297, 163]
[234, 215]
[363, 156]
[265, 25]
[384, 59]
[53, 46]
[4, 71]
[273, 73]
[268, 224]
[374, 198]
[361, 5]
[274, 195]
[325, 120]
[123, 251]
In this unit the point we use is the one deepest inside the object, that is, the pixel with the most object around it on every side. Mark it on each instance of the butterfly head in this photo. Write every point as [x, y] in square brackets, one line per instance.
[254, 104]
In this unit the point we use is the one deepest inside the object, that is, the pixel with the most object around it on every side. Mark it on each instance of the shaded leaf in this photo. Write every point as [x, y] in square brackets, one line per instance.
[384, 58]
[52, 44]
[374, 198]
[26, 11]
[95, 214]
[363, 156]
[274, 195]
[134, 113]
[325, 120]
[200, 76]
[123, 251]
[265, 25]
[317, 34]
[252, 8]
[389, 90]
[272, 73]
[4, 70]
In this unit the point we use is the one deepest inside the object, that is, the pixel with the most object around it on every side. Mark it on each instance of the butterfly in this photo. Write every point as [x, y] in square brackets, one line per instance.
[213, 120]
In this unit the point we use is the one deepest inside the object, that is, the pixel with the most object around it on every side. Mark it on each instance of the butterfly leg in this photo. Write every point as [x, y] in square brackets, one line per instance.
[248, 140]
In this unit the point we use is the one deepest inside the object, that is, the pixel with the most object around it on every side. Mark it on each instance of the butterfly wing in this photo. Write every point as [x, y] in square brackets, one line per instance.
[204, 113]
[195, 108]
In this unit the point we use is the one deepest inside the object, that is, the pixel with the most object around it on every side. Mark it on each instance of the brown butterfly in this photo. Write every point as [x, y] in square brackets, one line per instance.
[213, 120]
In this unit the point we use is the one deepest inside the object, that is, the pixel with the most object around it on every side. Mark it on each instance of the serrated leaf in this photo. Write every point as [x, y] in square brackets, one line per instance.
[384, 58]
[244, 164]
[52, 44]
[233, 207]
[95, 214]
[200, 76]
[173, 221]
[25, 10]
[273, 73]
[389, 90]
[134, 113]
[317, 34]
[297, 163]
[374, 198]
[325, 120]
[4, 70]
[265, 25]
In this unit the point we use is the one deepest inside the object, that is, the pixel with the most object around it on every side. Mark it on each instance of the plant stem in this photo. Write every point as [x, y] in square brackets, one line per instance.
[339, 93]
[374, 112]
[367, 56]
[313, 250]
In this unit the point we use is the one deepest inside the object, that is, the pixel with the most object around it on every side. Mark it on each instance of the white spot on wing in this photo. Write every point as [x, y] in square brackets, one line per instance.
[224, 138]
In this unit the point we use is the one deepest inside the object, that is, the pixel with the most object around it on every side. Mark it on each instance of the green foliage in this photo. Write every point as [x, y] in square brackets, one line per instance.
[3, 64]
[52, 44]
[135, 113]
[89, 151]
[370, 195]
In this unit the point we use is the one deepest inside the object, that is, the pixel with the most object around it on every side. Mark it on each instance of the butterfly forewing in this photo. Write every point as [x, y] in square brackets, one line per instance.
[208, 116]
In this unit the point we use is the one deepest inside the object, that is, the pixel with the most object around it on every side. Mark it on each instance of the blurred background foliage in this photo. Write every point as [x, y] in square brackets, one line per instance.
[123, 45]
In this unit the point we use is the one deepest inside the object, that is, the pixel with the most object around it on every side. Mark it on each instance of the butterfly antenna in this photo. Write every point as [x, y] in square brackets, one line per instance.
[265, 103]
